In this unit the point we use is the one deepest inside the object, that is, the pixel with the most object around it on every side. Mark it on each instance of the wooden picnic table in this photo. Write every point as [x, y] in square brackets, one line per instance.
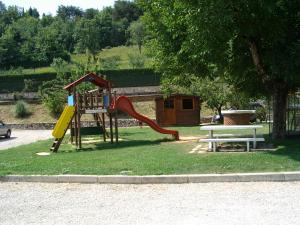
[213, 128]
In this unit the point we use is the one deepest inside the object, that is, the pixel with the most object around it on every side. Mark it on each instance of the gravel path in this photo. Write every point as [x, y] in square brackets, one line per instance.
[21, 137]
[210, 203]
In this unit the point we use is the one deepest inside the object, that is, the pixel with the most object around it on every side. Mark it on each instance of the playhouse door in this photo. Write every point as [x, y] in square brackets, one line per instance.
[169, 112]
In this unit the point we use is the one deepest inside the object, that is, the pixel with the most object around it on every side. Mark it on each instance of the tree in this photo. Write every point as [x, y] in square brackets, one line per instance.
[137, 33]
[48, 47]
[90, 13]
[10, 43]
[33, 12]
[126, 9]
[8, 16]
[2, 7]
[69, 12]
[254, 42]
[95, 34]
[87, 35]
[46, 20]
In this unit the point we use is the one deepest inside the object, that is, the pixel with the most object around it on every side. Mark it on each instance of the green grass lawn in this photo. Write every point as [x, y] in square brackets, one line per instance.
[146, 152]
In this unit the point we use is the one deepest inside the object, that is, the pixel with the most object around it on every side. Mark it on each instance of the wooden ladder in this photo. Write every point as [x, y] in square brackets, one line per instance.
[56, 143]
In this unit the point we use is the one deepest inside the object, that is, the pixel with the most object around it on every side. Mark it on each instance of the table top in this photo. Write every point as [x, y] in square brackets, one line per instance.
[230, 127]
[225, 112]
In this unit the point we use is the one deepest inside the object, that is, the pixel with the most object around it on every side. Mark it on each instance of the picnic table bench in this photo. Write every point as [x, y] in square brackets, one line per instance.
[213, 140]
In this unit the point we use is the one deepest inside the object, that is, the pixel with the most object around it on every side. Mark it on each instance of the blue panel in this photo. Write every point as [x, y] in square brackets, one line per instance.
[70, 100]
[106, 101]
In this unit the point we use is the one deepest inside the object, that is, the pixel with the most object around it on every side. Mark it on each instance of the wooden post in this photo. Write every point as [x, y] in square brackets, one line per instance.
[97, 100]
[111, 128]
[71, 123]
[75, 117]
[116, 121]
[79, 133]
[71, 128]
[92, 100]
[103, 127]
[85, 101]
[78, 121]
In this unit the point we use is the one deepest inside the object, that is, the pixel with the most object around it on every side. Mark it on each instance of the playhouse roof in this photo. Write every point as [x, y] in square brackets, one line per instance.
[91, 77]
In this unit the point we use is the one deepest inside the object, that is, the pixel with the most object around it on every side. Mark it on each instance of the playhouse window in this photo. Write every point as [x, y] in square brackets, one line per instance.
[169, 104]
[187, 103]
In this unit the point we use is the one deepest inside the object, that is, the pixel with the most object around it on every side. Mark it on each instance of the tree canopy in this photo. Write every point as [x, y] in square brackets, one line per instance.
[30, 40]
[253, 44]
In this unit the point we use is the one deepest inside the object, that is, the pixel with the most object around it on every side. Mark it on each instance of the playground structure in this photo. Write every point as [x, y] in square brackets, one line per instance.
[101, 103]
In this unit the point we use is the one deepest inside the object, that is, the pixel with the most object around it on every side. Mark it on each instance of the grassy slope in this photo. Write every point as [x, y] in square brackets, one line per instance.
[40, 114]
[121, 51]
[144, 151]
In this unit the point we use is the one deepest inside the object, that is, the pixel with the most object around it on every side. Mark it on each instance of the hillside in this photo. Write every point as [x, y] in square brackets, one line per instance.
[122, 52]
[39, 113]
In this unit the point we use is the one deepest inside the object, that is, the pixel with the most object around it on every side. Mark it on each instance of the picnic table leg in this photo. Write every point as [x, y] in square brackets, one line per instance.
[248, 146]
[210, 144]
[254, 136]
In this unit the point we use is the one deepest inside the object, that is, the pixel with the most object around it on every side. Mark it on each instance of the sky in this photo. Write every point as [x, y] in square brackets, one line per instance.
[50, 6]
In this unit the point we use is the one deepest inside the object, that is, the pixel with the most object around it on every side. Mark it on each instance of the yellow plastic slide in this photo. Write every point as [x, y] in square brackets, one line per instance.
[63, 122]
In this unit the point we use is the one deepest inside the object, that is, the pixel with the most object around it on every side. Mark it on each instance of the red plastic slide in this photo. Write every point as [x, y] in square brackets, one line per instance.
[124, 104]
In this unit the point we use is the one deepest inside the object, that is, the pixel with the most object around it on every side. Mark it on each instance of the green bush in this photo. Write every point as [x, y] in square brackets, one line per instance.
[136, 60]
[53, 95]
[261, 114]
[110, 63]
[55, 103]
[29, 85]
[21, 109]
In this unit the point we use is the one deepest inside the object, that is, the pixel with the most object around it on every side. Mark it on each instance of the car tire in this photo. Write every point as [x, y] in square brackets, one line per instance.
[8, 134]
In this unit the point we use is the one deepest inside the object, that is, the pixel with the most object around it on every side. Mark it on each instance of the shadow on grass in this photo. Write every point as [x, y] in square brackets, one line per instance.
[121, 145]
[121, 133]
[288, 147]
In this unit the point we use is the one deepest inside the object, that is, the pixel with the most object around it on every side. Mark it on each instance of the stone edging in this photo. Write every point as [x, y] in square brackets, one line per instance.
[161, 179]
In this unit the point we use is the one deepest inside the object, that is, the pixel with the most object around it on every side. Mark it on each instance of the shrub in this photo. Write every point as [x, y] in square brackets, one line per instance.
[28, 85]
[53, 95]
[60, 66]
[136, 60]
[261, 114]
[110, 63]
[55, 103]
[21, 109]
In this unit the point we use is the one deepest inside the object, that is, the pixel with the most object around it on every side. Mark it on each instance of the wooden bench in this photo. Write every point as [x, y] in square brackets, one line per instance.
[222, 140]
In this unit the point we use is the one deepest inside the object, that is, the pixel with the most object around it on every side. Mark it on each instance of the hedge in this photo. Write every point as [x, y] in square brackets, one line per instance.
[119, 78]
[132, 77]
[15, 83]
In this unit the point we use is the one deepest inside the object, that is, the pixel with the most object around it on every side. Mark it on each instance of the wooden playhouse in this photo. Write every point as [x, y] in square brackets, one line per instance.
[178, 110]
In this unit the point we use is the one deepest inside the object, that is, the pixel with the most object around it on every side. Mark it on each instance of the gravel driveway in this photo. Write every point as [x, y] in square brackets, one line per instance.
[21, 137]
[210, 203]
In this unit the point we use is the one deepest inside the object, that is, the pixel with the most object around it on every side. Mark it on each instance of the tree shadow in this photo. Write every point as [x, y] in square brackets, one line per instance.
[107, 146]
[288, 147]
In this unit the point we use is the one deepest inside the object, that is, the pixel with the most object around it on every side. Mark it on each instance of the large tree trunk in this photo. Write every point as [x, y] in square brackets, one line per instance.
[278, 89]
[280, 96]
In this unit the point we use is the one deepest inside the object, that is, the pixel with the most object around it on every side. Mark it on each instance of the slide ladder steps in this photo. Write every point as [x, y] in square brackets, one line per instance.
[55, 145]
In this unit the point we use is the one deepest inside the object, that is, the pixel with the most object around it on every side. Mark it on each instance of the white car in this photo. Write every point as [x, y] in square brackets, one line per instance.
[4, 130]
